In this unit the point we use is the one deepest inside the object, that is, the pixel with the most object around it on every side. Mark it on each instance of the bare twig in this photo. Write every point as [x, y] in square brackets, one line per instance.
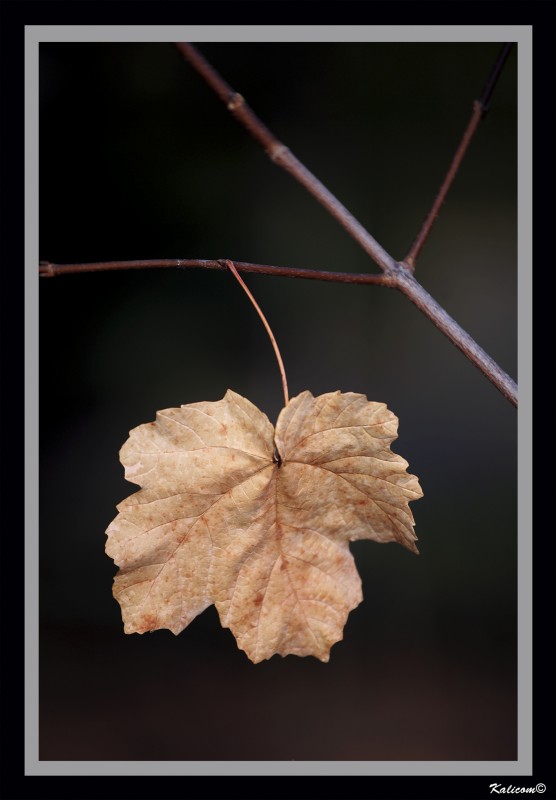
[281, 367]
[492, 80]
[398, 272]
[480, 107]
[282, 156]
[48, 270]
[422, 236]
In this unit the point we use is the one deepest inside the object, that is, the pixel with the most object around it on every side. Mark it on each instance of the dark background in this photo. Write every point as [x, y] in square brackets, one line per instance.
[138, 159]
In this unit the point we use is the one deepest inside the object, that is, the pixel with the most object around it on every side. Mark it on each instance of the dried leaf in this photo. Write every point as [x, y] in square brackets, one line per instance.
[258, 521]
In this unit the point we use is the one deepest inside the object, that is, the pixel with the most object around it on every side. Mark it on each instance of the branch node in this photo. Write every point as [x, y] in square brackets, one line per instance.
[480, 108]
[46, 269]
[408, 264]
[237, 100]
[277, 151]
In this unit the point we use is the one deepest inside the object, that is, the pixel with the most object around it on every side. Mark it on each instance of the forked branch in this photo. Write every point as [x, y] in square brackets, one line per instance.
[399, 273]
[395, 274]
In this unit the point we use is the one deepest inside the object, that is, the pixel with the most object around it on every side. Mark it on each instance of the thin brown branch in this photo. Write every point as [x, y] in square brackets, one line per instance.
[282, 156]
[407, 284]
[422, 236]
[49, 270]
[490, 85]
[480, 107]
[268, 329]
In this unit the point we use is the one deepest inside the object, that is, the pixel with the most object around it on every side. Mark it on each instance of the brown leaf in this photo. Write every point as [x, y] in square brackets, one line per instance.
[258, 521]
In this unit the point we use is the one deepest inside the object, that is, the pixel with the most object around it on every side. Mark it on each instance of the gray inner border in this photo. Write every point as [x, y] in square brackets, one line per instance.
[252, 33]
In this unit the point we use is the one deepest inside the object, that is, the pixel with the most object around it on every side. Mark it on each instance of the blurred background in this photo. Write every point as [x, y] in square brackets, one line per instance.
[138, 160]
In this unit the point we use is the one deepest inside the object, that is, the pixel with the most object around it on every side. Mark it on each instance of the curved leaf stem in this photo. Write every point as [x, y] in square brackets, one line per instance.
[238, 277]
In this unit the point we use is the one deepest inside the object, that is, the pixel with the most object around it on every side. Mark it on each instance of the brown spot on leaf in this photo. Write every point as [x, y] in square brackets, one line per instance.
[148, 622]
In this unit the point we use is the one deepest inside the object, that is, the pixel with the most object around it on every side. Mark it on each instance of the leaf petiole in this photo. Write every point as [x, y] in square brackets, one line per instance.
[238, 277]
